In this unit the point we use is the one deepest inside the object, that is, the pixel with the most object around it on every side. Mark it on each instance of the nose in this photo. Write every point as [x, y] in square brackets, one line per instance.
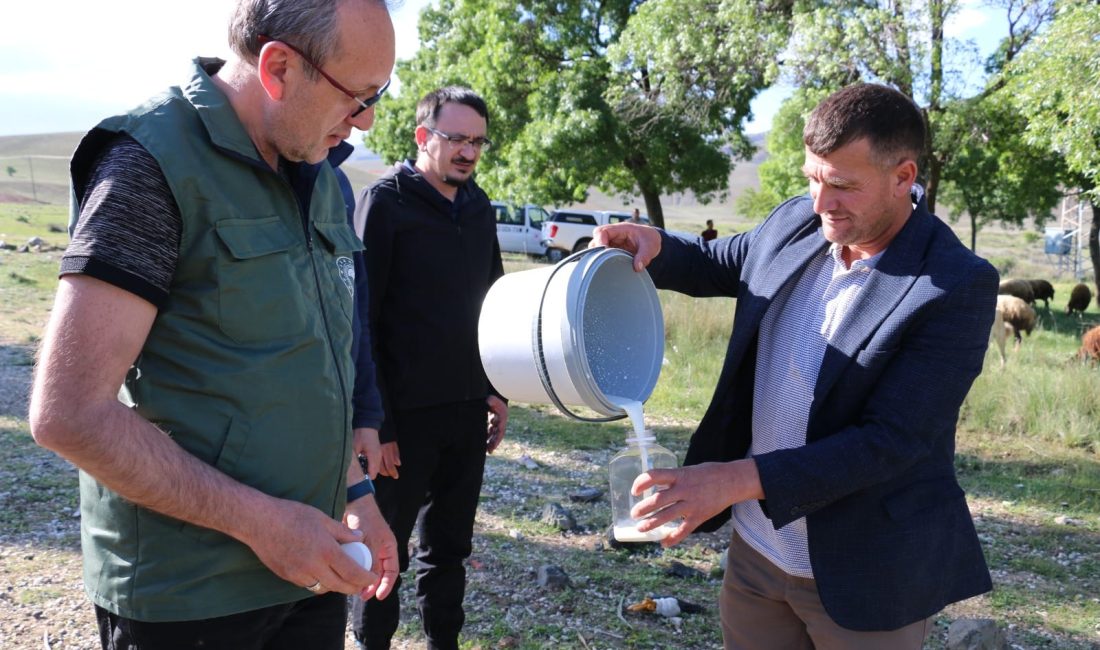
[364, 120]
[823, 198]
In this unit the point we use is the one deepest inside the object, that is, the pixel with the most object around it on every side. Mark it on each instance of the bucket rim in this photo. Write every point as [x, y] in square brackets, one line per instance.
[588, 274]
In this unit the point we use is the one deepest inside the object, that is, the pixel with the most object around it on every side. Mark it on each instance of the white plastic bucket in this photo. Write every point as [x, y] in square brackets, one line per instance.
[601, 333]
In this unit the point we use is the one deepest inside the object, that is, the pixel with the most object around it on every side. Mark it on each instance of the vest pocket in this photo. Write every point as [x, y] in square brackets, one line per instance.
[259, 293]
[236, 438]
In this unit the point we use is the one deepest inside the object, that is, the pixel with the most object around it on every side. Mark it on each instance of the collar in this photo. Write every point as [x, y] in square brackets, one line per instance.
[836, 252]
[338, 154]
[408, 167]
[213, 107]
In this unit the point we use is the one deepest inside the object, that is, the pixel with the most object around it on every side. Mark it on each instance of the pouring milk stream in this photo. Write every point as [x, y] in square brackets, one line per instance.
[586, 332]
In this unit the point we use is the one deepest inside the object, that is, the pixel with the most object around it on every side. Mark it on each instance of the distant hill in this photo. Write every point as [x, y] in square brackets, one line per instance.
[683, 211]
[36, 167]
[42, 144]
[1014, 251]
[45, 156]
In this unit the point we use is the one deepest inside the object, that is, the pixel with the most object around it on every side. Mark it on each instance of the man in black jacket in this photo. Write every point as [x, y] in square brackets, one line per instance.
[432, 254]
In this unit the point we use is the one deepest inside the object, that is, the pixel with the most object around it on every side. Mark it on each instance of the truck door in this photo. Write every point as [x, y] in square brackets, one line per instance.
[532, 232]
[509, 228]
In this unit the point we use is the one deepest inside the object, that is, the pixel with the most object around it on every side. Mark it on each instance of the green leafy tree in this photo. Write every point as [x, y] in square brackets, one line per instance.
[11, 171]
[781, 174]
[631, 97]
[993, 173]
[1055, 83]
[903, 43]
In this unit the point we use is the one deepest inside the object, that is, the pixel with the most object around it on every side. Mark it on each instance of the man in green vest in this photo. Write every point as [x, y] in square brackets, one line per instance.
[197, 363]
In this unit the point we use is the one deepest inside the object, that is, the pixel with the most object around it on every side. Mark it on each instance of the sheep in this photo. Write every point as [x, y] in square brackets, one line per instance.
[1042, 290]
[1079, 299]
[1019, 288]
[1090, 345]
[999, 333]
[1017, 314]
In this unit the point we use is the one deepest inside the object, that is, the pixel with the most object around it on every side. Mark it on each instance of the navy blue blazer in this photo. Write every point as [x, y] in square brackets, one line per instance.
[891, 540]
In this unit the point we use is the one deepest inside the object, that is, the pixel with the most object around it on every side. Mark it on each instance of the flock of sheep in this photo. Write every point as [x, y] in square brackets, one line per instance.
[1016, 313]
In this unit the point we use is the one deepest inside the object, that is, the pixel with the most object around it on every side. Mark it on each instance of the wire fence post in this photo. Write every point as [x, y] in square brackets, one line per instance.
[34, 189]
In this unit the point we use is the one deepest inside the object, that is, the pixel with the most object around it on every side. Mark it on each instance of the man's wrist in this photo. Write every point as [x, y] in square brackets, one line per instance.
[360, 489]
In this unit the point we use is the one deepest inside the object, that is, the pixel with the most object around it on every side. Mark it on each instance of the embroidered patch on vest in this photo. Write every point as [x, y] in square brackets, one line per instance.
[346, 267]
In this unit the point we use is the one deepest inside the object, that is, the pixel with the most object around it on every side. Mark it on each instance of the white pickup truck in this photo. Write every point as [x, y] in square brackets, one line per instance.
[568, 231]
[519, 228]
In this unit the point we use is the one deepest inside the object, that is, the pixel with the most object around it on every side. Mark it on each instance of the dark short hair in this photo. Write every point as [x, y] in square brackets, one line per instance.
[311, 25]
[427, 109]
[890, 121]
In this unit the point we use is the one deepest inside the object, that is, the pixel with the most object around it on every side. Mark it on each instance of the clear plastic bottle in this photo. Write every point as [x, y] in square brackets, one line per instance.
[640, 455]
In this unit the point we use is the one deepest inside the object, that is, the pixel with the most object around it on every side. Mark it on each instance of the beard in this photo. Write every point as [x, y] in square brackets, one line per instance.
[457, 179]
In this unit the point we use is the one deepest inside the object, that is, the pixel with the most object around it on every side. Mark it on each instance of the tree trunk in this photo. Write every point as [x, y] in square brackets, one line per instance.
[973, 234]
[639, 169]
[653, 208]
[937, 11]
[934, 167]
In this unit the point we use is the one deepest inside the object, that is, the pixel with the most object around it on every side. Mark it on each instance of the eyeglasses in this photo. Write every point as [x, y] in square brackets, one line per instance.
[458, 140]
[364, 104]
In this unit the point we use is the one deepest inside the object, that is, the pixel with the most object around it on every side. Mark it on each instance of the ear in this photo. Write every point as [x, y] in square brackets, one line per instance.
[272, 68]
[905, 174]
[421, 135]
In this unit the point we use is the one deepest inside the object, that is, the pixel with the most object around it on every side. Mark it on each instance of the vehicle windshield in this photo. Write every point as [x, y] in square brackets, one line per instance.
[537, 215]
[506, 215]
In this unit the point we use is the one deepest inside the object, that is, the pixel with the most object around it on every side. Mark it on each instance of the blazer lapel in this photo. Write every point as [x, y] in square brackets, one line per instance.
[886, 287]
[784, 267]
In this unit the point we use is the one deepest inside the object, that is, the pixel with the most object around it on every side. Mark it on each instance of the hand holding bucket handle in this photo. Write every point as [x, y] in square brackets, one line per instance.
[643, 242]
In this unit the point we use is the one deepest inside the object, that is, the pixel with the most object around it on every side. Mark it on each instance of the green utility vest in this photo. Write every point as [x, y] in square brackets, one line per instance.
[247, 366]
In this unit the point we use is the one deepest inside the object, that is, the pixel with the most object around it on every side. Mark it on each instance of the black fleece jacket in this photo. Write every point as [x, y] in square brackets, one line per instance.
[430, 263]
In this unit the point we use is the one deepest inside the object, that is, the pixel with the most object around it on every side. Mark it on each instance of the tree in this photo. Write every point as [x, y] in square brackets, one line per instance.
[781, 174]
[991, 172]
[11, 171]
[902, 43]
[1055, 82]
[631, 97]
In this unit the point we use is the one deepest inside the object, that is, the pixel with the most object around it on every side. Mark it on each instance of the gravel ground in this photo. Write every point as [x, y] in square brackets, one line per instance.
[43, 606]
[15, 380]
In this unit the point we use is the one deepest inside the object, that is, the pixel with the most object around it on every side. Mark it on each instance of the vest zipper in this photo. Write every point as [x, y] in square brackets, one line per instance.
[307, 222]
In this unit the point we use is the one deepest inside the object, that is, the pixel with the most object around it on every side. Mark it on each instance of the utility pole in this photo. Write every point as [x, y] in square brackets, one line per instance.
[34, 189]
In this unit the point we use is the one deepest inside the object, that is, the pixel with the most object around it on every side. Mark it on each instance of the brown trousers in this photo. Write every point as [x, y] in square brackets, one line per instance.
[764, 608]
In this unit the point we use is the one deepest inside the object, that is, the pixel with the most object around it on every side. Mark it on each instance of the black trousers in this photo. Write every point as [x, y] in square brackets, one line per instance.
[442, 462]
[316, 622]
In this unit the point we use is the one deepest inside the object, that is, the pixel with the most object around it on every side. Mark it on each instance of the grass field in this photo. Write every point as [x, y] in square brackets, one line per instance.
[1027, 456]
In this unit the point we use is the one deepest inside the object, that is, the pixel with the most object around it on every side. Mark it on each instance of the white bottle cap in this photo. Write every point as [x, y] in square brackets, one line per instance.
[359, 552]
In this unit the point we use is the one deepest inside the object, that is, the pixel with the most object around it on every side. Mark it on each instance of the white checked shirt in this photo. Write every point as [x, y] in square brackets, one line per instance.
[793, 336]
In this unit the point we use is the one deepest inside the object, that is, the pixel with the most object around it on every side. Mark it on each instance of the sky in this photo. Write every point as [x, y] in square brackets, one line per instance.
[65, 66]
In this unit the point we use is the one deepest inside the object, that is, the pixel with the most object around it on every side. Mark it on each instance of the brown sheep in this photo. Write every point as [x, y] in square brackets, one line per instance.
[1090, 345]
[1019, 288]
[1042, 290]
[1079, 299]
[1017, 314]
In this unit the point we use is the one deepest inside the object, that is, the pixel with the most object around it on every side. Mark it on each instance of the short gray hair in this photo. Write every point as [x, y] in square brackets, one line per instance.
[310, 25]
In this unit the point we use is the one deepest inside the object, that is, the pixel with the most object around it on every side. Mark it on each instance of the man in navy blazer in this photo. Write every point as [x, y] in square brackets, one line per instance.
[861, 323]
